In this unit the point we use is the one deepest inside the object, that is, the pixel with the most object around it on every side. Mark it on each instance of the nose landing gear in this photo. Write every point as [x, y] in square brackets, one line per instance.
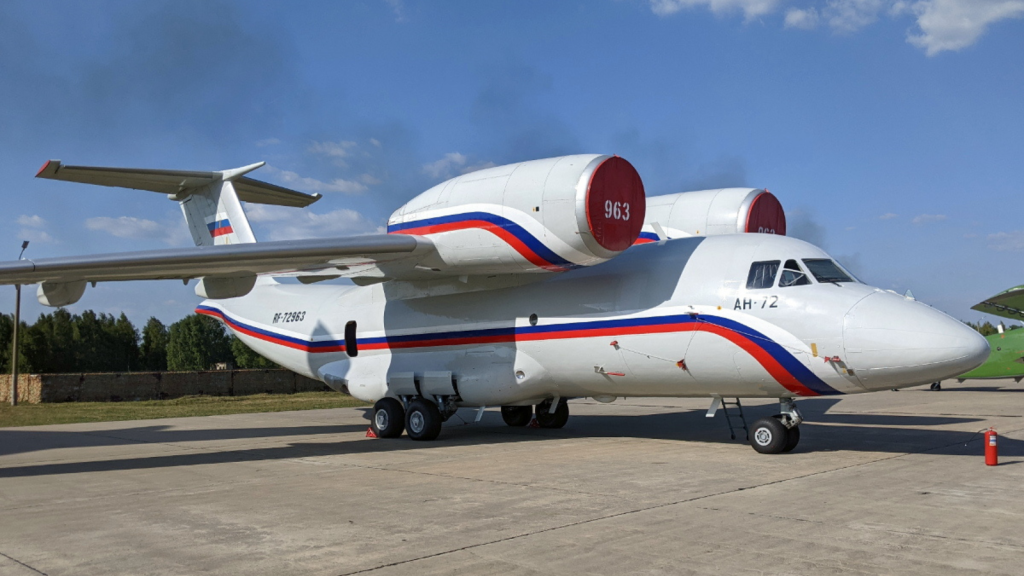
[780, 433]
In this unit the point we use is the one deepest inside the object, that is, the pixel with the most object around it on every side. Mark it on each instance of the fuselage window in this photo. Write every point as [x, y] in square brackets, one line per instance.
[351, 347]
[826, 270]
[793, 275]
[762, 275]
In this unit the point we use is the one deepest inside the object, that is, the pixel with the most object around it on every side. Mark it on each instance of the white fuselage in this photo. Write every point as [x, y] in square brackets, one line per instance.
[662, 319]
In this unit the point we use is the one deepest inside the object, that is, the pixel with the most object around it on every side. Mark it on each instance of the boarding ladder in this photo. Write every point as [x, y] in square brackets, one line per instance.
[728, 418]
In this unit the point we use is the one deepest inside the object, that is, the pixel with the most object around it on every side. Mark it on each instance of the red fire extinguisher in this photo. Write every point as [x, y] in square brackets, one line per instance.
[991, 450]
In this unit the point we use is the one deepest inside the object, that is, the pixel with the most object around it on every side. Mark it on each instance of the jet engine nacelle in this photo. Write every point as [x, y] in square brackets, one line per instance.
[713, 212]
[552, 214]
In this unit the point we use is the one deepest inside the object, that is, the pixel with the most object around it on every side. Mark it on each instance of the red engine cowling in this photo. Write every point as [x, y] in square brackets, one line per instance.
[713, 212]
[552, 214]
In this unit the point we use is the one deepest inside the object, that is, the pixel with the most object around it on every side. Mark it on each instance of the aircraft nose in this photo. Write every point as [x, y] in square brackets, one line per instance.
[893, 342]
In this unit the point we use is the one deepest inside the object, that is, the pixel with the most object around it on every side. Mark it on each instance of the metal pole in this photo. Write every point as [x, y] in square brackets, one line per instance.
[14, 350]
[14, 344]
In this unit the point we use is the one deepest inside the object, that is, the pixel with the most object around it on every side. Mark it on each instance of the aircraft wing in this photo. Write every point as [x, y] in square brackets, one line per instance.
[339, 256]
[1008, 304]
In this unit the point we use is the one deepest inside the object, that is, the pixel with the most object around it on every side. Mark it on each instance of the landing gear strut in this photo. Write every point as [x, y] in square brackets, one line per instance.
[780, 433]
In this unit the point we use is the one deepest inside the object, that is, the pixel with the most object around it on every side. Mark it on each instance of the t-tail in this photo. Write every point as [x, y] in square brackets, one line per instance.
[210, 201]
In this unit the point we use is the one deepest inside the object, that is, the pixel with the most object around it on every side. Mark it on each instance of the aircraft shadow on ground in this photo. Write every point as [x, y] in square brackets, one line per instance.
[822, 432]
[21, 440]
[947, 388]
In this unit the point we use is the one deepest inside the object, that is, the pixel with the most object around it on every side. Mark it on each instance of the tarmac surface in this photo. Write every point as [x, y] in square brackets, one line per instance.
[883, 483]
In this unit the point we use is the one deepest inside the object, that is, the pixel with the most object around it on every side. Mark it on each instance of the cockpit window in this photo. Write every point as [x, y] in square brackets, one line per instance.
[826, 270]
[793, 275]
[762, 275]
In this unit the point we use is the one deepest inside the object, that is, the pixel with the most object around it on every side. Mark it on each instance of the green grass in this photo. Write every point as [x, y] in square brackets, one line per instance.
[72, 412]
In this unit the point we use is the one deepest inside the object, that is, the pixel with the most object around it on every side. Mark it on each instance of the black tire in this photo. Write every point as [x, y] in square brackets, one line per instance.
[792, 439]
[516, 415]
[549, 420]
[769, 436]
[388, 418]
[422, 420]
[936, 385]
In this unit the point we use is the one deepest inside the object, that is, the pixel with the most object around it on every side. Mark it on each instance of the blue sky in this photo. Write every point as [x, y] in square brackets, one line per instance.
[892, 131]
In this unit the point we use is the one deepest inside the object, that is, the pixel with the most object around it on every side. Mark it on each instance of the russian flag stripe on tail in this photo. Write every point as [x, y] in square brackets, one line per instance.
[220, 228]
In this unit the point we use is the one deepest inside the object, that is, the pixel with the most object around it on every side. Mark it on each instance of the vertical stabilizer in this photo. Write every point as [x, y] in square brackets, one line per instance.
[215, 216]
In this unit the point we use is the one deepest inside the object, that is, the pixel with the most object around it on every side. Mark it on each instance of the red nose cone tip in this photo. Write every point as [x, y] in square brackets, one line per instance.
[616, 204]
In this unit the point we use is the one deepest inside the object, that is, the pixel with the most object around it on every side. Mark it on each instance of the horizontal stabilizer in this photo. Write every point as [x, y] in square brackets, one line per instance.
[177, 183]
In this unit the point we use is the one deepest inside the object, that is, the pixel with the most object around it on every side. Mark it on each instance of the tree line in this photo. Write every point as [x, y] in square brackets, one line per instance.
[987, 328]
[97, 342]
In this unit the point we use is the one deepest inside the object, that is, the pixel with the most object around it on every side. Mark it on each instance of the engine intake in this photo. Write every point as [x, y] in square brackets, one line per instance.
[713, 212]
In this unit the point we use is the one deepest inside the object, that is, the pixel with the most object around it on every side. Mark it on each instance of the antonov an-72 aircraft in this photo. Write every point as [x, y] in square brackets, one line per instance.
[522, 286]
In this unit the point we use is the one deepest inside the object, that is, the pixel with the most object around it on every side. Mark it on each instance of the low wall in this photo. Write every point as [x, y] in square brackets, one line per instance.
[115, 387]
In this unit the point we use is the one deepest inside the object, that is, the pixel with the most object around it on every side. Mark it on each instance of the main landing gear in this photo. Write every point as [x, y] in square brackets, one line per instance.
[780, 433]
[419, 417]
[546, 417]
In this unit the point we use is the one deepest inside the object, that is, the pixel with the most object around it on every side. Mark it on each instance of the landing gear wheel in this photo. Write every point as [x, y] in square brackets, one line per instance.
[422, 420]
[792, 439]
[548, 420]
[936, 385]
[516, 415]
[388, 418]
[769, 436]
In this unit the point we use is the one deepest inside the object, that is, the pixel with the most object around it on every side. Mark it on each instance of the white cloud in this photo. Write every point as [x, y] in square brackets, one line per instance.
[453, 163]
[335, 151]
[306, 184]
[34, 221]
[924, 218]
[804, 19]
[282, 223]
[171, 232]
[888, 216]
[443, 167]
[1007, 241]
[851, 15]
[940, 24]
[38, 236]
[957, 24]
[398, 8]
[751, 8]
[332, 149]
[475, 167]
[32, 229]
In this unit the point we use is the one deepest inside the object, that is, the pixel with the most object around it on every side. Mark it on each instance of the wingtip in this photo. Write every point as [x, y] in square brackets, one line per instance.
[49, 168]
